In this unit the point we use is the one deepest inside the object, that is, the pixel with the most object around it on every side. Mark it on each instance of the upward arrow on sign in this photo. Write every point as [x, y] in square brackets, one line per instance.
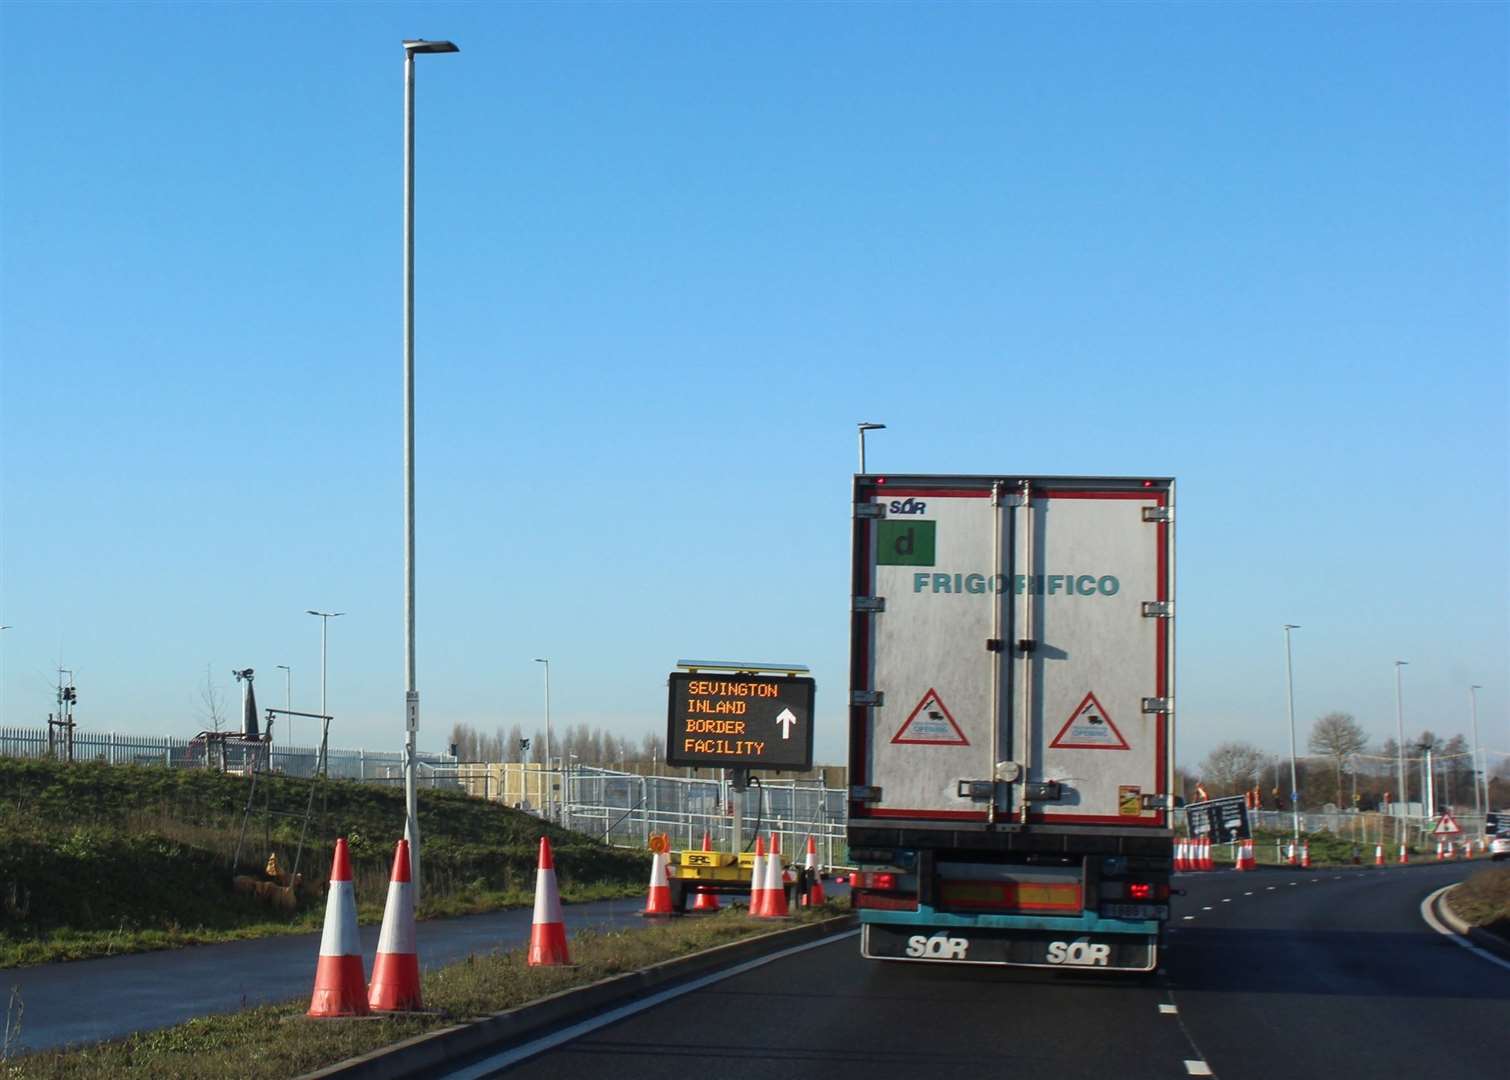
[786, 719]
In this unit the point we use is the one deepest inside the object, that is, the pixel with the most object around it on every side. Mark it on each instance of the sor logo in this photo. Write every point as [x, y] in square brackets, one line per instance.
[938, 947]
[908, 506]
[1080, 953]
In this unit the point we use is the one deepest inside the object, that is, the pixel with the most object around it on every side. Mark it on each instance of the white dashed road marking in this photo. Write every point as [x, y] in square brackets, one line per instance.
[1169, 1009]
[1198, 1068]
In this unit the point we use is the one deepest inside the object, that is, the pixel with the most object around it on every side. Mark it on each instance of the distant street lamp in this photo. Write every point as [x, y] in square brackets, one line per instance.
[325, 617]
[2, 673]
[547, 663]
[288, 701]
[1290, 705]
[865, 426]
[1480, 799]
[1400, 743]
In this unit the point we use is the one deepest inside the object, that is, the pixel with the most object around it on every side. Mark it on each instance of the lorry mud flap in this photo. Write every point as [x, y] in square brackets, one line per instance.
[1063, 951]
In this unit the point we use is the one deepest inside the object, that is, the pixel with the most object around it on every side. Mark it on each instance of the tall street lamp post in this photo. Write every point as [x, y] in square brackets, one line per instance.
[1480, 801]
[325, 617]
[865, 426]
[288, 701]
[1400, 744]
[548, 789]
[1290, 708]
[411, 691]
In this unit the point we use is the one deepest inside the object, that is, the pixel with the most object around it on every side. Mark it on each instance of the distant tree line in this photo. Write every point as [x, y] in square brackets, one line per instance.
[582, 744]
[1345, 772]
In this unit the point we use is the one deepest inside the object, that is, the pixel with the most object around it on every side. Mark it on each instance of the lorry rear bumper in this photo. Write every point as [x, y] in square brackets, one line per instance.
[1054, 949]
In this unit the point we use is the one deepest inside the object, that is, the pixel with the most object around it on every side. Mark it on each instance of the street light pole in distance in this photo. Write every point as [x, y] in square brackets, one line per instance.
[1480, 800]
[1400, 747]
[548, 788]
[412, 48]
[865, 426]
[1290, 708]
[288, 700]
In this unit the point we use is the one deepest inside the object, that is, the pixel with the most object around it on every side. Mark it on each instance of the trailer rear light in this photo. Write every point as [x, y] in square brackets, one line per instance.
[1139, 890]
[882, 880]
[880, 902]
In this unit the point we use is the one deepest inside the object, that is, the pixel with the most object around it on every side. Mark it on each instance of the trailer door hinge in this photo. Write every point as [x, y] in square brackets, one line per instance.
[1158, 513]
[1046, 791]
[1158, 609]
[870, 510]
[875, 698]
[865, 793]
[873, 605]
[1158, 705]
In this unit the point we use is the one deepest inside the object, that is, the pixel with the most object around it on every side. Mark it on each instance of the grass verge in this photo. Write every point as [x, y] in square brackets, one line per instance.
[1483, 900]
[100, 859]
[276, 1041]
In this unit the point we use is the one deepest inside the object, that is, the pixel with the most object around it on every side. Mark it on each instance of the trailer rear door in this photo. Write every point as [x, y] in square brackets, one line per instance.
[1020, 622]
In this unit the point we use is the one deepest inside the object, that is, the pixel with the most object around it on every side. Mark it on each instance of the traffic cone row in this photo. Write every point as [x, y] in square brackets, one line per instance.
[1246, 860]
[340, 989]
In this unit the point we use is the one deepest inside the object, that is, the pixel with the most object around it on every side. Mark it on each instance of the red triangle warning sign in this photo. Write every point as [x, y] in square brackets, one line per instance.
[1089, 728]
[931, 725]
[1447, 826]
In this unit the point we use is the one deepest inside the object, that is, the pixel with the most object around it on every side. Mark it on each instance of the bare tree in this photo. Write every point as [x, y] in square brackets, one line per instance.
[1337, 736]
[1232, 768]
[211, 702]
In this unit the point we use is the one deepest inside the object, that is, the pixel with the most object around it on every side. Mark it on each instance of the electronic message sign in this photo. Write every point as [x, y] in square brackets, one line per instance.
[737, 720]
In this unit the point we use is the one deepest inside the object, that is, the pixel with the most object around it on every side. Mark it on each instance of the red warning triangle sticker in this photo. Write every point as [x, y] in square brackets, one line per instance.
[931, 725]
[1089, 728]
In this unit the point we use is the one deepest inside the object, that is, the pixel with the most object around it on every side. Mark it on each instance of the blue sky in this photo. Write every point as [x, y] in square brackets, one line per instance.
[668, 256]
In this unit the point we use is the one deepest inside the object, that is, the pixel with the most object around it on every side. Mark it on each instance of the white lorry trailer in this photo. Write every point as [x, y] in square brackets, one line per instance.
[1012, 719]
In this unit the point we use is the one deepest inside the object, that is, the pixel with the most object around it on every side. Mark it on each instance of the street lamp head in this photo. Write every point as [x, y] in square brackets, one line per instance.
[542, 660]
[326, 614]
[1292, 626]
[867, 426]
[420, 45]
[285, 667]
[1401, 663]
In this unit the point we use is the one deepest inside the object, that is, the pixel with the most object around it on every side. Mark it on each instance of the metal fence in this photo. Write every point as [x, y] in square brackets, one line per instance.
[380, 766]
[625, 809]
[1365, 828]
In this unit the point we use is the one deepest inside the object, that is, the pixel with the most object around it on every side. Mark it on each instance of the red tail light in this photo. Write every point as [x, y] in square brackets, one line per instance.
[1139, 890]
[882, 880]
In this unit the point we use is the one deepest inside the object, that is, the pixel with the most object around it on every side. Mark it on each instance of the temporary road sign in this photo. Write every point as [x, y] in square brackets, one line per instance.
[930, 724]
[739, 720]
[1089, 728]
[1447, 825]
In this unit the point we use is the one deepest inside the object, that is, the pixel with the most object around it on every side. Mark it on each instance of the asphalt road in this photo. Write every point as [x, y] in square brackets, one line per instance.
[91, 1000]
[1272, 975]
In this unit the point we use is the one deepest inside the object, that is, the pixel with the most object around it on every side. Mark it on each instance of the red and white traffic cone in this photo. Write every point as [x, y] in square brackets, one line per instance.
[548, 928]
[706, 901]
[395, 972]
[1245, 857]
[340, 985]
[1378, 854]
[1181, 864]
[1292, 854]
[1305, 854]
[658, 902]
[757, 880]
[1206, 862]
[1404, 855]
[1446, 851]
[776, 904]
[814, 895]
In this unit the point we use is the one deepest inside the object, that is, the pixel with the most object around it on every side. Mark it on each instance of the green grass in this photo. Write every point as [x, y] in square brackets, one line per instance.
[1484, 900]
[276, 1041]
[1327, 849]
[98, 859]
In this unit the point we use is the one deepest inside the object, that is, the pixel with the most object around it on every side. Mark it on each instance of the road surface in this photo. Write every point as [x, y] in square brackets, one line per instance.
[1271, 975]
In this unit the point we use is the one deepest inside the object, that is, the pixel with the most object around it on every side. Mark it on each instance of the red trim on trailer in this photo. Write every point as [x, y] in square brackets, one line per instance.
[936, 493]
[1050, 493]
[930, 815]
[1095, 819]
